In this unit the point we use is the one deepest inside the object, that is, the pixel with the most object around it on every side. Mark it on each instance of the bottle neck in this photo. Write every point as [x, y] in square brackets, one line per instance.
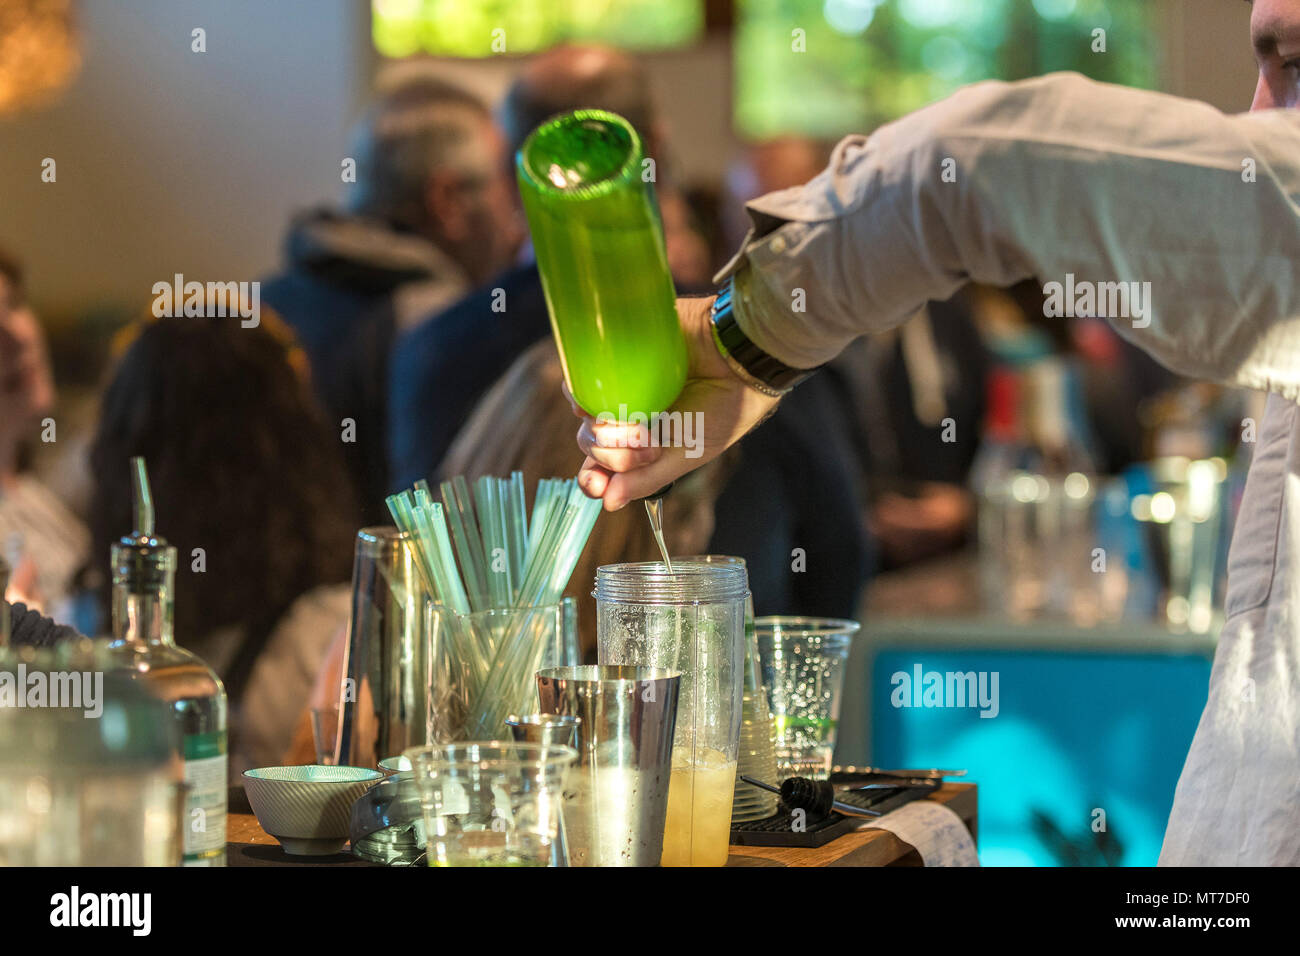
[142, 616]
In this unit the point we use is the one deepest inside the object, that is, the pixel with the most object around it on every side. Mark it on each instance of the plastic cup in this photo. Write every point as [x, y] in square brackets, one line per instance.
[802, 661]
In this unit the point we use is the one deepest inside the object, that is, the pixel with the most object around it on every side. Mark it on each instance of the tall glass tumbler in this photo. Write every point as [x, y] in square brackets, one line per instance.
[588, 193]
[467, 698]
[803, 670]
[691, 620]
[382, 709]
[548, 729]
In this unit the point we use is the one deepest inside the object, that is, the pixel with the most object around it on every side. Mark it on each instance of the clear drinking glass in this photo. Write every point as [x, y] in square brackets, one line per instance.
[1184, 518]
[690, 620]
[803, 671]
[467, 699]
[381, 700]
[490, 803]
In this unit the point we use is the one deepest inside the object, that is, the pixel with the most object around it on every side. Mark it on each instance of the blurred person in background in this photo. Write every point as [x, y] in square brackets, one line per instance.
[907, 385]
[793, 505]
[765, 167]
[43, 542]
[242, 466]
[28, 627]
[443, 367]
[429, 217]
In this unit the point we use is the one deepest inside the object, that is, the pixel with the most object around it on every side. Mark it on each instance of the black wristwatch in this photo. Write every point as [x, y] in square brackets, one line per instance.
[759, 370]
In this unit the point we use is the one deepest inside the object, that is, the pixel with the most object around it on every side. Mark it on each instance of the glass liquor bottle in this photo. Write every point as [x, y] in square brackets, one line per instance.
[598, 237]
[144, 572]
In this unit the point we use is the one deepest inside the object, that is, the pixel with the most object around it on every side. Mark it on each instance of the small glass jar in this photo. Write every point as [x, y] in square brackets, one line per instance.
[691, 620]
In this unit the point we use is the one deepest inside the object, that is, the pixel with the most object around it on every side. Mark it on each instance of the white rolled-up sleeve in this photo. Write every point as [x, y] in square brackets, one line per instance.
[1047, 178]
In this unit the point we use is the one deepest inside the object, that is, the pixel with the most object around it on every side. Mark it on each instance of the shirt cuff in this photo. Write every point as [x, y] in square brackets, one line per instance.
[764, 316]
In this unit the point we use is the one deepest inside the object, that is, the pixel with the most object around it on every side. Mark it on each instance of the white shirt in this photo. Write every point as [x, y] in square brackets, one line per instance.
[1057, 177]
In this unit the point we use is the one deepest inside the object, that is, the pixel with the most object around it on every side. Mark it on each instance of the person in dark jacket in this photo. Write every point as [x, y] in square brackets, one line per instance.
[792, 507]
[429, 217]
[441, 369]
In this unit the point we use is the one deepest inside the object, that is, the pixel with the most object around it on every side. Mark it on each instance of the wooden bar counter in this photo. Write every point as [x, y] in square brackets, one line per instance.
[249, 845]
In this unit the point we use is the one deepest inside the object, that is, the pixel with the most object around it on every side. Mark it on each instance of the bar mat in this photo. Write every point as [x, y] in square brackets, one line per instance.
[777, 830]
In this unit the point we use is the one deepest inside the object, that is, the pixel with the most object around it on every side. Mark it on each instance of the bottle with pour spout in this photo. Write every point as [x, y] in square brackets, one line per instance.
[144, 572]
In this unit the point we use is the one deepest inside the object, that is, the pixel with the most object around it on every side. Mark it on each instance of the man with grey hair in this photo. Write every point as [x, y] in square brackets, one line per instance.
[429, 217]
[431, 163]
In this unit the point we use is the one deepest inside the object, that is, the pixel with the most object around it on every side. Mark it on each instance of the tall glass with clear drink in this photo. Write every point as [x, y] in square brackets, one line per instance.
[691, 620]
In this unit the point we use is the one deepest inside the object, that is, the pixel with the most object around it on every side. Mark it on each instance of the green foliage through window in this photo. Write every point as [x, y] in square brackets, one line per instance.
[828, 67]
[479, 28]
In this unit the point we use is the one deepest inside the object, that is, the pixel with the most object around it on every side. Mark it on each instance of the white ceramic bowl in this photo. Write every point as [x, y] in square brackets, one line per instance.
[307, 808]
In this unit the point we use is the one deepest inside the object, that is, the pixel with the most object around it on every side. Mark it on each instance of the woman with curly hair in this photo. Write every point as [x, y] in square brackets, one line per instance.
[249, 485]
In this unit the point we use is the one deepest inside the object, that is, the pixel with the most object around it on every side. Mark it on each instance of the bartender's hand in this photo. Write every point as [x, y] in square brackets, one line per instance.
[622, 467]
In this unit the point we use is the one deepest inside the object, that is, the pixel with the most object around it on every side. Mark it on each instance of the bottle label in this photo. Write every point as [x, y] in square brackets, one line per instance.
[205, 801]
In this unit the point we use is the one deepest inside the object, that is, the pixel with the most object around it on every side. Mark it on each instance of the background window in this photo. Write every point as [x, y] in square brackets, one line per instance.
[864, 62]
[477, 28]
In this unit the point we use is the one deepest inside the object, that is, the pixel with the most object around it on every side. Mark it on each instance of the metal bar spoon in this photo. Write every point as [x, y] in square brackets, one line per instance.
[654, 509]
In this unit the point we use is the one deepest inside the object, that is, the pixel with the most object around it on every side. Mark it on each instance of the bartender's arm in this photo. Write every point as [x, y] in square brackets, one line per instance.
[1048, 178]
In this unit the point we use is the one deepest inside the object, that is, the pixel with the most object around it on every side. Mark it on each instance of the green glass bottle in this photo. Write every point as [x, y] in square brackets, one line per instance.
[599, 243]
